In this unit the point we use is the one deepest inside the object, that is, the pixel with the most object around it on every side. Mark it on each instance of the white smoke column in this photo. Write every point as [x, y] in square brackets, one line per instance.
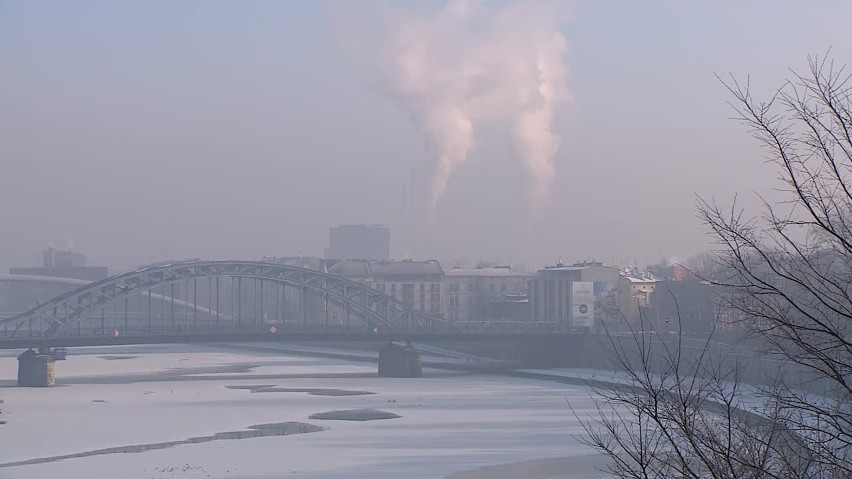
[471, 62]
[452, 130]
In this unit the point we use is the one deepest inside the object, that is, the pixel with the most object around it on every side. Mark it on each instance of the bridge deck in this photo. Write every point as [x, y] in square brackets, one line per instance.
[196, 338]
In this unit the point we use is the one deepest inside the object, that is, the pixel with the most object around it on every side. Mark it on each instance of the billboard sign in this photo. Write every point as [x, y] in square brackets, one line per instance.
[582, 304]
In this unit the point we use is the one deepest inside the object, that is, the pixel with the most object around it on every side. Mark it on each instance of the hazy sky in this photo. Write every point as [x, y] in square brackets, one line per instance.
[143, 131]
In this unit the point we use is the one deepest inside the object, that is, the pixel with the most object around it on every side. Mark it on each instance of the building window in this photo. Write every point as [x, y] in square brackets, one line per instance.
[422, 297]
[393, 290]
[408, 294]
[435, 298]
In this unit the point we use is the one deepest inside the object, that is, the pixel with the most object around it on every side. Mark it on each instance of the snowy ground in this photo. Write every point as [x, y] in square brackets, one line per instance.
[149, 395]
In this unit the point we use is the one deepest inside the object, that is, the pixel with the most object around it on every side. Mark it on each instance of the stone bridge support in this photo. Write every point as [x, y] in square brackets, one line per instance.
[398, 361]
[36, 370]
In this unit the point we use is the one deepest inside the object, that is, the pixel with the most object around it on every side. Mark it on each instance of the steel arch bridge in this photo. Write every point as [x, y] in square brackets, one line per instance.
[62, 315]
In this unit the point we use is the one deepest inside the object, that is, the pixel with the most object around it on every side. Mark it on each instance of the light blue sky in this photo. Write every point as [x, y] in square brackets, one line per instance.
[141, 131]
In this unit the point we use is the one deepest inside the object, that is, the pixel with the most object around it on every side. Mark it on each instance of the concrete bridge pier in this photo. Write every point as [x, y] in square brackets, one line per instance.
[397, 361]
[36, 369]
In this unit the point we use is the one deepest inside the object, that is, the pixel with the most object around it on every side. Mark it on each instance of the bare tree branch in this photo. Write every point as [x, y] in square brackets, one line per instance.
[788, 277]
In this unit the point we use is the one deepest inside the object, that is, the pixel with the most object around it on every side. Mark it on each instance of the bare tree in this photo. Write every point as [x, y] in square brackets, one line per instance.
[682, 413]
[789, 272]
[704, 266]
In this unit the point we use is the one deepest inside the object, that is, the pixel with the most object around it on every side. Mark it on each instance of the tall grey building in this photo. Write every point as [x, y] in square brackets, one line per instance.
[53, 258]
[370, 242]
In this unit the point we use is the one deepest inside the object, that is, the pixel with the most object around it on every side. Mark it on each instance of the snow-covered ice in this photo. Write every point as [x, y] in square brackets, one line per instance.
[126, 396]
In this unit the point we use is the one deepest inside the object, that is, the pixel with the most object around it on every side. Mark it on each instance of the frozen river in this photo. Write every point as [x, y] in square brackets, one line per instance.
[151, 412]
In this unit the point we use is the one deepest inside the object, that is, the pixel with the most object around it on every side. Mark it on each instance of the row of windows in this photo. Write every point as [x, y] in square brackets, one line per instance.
[428, 298]
[436, 287]
[493, 287]
[392, 287]
[407, 295]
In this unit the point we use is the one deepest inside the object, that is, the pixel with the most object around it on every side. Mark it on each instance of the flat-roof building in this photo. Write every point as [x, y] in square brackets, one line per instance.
[368, 242]
[567, 294]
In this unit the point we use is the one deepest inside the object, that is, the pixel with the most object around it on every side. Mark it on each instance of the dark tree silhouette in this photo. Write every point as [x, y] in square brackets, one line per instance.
[788, 275]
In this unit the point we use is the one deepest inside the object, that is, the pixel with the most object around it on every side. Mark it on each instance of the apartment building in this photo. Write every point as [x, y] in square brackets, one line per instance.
[485, 293]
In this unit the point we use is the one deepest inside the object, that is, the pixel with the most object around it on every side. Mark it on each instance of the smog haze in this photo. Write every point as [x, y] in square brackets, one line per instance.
[140, 132]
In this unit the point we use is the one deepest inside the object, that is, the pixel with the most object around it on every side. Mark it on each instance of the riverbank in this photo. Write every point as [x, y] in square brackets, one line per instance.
[576, 467]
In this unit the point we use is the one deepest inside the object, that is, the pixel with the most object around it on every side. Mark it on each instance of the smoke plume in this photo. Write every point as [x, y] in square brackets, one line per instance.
[470, 62]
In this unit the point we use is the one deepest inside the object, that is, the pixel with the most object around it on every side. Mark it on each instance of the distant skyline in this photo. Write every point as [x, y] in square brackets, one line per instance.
[139, 132]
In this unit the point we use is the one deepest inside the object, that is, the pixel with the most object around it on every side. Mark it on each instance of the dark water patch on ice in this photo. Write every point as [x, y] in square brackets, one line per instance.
[354, 415]
[265, 388]
[260, 430]
[191, 375]
[252, 387]
[230, 368]
[117, 358]
[98, 400]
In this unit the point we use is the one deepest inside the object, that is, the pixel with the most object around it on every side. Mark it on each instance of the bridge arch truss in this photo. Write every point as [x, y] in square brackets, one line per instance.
[370, 309]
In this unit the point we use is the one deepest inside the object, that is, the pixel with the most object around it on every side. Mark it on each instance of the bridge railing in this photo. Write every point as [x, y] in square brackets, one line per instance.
[115, 327]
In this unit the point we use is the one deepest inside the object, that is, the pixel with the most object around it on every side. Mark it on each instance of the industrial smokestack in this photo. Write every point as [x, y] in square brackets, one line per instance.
[411, 182]
[470, 62]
